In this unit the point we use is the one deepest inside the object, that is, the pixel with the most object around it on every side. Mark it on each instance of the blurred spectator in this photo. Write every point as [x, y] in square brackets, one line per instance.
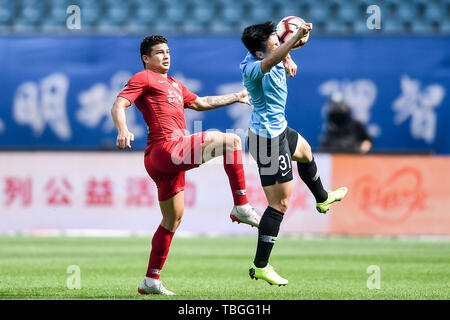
[343, 133]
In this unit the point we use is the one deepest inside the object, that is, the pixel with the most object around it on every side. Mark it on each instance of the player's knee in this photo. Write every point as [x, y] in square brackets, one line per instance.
[172, 223]
[233, 142]
[308, 153]
[284, 204]
[212, 137]
[305, 152]
[281, 205]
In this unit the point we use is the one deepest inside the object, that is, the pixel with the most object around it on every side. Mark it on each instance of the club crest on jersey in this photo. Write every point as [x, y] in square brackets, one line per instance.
[174, 97]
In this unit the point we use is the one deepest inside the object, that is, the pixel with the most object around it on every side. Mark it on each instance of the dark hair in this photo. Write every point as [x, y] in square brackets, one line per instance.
[255, 37]
[148, 43]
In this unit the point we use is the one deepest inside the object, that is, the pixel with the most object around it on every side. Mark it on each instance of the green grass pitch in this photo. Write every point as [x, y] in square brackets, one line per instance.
[217, 268]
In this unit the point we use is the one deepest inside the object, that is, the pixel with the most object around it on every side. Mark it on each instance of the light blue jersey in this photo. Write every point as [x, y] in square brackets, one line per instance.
[268, 94]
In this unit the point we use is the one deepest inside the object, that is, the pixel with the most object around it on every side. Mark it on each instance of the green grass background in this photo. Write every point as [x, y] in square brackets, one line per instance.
[217, 268]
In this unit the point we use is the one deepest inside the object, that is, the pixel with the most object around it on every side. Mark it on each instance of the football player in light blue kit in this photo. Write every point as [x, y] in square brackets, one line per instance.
[271, 142]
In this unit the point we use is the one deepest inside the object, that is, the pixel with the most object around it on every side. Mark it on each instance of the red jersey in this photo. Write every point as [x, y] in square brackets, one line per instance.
[162, 101]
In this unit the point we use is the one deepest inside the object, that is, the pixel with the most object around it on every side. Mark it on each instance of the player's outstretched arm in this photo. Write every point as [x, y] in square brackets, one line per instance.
[280, 53]
[124, 137]
[214, 102]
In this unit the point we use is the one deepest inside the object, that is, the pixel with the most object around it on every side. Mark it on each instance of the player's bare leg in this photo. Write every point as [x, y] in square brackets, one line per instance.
[229, 145]
[278, 196]
[172, 211]
[303, 152]
[307, 170]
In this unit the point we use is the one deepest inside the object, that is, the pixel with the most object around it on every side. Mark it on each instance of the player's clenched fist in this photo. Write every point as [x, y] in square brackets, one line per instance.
[305, 28]
[124, 139]
[243, 97]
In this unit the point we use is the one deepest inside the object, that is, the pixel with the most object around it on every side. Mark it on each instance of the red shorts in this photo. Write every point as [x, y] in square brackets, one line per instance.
[166, 163]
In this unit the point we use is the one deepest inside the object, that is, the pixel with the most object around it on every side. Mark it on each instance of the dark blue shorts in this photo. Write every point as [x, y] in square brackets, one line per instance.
[273, 155]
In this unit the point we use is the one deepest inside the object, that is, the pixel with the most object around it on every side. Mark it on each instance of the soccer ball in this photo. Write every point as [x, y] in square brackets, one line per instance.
[289, 26]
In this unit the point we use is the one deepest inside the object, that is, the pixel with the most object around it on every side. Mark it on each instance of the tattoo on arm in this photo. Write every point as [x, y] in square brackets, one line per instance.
[221, 101]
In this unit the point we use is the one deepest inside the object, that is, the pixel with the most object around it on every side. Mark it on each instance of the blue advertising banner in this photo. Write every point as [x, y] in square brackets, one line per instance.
[57, 91]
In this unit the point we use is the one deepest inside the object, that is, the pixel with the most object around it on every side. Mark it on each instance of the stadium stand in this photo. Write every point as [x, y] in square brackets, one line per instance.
[222, 16]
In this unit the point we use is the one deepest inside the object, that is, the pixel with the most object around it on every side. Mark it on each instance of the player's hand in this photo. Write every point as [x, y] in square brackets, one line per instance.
[243, 97]
[304, 29]
[291, 67]
[124, 139]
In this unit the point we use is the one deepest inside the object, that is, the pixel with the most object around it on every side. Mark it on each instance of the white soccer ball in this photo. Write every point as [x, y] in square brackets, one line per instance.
[289, 26]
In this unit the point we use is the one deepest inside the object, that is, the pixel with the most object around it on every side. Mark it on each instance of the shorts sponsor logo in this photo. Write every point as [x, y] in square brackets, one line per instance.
[285, 173]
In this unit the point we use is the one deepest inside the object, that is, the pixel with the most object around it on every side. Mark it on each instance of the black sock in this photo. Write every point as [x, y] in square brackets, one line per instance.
[309, 175]
[267, 235]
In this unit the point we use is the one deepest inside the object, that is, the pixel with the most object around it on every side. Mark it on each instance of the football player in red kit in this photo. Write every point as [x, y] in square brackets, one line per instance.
[170, 152]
